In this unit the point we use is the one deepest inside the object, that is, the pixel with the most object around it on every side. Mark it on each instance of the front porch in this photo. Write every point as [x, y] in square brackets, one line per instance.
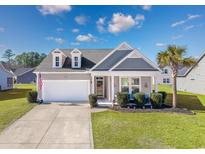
[107, 85]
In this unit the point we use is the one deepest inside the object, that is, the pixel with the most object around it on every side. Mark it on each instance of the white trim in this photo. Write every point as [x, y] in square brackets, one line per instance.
[129, 82]
[112, 88]
[103, 79]
[109, 54]
[58, 50]
[75, 49]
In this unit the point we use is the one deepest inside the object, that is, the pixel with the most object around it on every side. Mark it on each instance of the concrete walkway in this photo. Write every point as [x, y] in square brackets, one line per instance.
[51, 126]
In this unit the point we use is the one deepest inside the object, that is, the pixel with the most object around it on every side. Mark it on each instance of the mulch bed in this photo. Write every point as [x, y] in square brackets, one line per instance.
[166, 110]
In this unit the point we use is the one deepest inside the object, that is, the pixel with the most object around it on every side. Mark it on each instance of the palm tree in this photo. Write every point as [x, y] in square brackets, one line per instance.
[174, 56]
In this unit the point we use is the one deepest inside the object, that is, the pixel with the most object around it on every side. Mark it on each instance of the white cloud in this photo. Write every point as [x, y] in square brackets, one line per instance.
[121, 22]
[175, 37]
[146, 7]
[189, 17]
[81, 20]
[75, 30]
[178, 23]
[100, 24]
[56, 39]
[189, 27]
[75, 43]
[59, 29]
[2, 29]
[160, 44]
[86, 38]
[193, 16]
[53, 9]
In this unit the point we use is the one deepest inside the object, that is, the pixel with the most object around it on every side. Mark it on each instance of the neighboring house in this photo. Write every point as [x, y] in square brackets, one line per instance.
[166, 76]
[24, 75]
[193, 80]
[6, 77]
[73, 74]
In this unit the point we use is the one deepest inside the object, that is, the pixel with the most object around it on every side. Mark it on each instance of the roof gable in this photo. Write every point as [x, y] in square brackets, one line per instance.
[192, 67]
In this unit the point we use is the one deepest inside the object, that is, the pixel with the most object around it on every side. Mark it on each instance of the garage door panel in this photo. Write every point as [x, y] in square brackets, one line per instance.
[66, 90]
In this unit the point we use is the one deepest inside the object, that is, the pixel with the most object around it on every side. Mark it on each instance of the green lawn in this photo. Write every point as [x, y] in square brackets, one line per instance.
[152, 130]
[13, 104]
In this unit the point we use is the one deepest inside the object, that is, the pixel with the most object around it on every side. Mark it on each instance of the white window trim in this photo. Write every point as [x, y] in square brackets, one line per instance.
[103, 79]
[129, 83]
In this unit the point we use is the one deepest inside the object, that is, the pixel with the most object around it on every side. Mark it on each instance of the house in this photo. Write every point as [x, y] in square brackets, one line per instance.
[73, 74]
[24, 75]
[165, 76]
[6, 77]
[193, 80]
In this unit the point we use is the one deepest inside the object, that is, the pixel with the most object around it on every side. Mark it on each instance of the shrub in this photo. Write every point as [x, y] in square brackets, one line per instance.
[156, 99]
[32, 96]
[140, 98]
[164, 96]
[122, 99]
[93, 100]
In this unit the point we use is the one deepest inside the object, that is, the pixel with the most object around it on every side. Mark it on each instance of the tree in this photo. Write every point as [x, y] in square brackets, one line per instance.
[8, 55]
[29, 59]
[174, 57]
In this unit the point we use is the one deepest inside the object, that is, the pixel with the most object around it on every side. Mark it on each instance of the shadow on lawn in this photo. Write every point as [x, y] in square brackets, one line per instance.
[190, 102]
[13, 94]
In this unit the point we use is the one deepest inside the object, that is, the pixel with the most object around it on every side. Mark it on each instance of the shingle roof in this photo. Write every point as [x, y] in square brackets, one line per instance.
[89, 58]
[135, 64]
[21, 71]
[5, 67]
[109, 62]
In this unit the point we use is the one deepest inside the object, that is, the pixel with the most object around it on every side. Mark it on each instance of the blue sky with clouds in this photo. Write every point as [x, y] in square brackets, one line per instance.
[149, 28]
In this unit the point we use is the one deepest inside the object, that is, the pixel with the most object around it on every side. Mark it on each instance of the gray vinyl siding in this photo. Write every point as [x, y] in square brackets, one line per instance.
[116, 84]
[28, 77]
[112, 60]
[66, 76]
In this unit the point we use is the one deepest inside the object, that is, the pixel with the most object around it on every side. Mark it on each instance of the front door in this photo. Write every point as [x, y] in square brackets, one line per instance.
[100, 87]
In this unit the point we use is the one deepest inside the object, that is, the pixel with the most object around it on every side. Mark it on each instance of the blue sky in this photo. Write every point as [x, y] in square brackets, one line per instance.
[149, 28]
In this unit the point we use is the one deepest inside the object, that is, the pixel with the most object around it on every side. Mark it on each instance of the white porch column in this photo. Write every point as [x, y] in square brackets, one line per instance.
[155, 84]
[93, 84]
[112, 88]
[109, 91]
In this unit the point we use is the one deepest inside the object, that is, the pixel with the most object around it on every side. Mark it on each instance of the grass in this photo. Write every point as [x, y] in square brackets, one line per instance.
[185, 99]
[153, 130]
[13, 104]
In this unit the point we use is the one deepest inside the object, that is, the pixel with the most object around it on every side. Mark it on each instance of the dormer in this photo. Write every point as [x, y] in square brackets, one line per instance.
[76, 58]
[58, 58]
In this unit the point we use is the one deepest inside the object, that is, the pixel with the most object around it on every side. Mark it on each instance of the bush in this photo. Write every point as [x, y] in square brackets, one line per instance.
[32, 96]
[140, 98]
[122, 99]
[156, 99]
[164, 96]
[93, 100]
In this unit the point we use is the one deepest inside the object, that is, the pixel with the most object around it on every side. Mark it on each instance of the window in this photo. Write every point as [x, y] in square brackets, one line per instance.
[76, 61]
[9, 82]
[135, 85]
[124, 85]
[164, 80]
[130, 85]
[165, 71]
[57, 59]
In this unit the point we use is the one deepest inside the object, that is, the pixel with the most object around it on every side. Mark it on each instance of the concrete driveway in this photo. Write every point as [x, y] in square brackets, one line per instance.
[51, 126]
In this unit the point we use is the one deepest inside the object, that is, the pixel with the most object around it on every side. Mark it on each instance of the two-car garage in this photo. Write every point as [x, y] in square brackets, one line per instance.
[65, 90]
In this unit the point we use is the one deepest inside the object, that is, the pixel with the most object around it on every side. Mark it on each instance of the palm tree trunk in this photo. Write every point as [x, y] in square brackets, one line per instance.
[174, 89]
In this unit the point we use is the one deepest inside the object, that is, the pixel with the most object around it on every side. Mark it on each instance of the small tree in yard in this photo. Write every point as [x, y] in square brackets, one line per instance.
[174, 57]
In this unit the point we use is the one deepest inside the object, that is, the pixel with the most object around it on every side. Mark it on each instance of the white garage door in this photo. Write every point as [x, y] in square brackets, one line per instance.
[65, 90]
